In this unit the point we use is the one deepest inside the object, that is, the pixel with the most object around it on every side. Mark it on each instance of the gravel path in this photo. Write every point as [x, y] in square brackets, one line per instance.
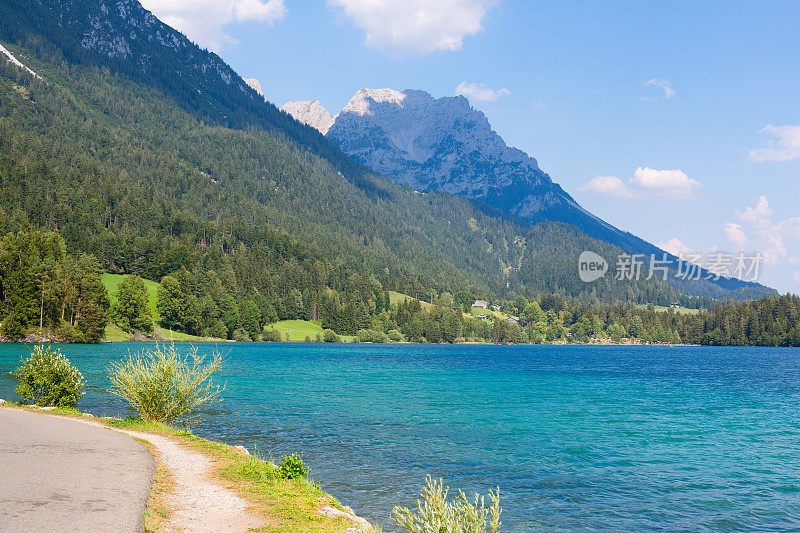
[197, 503]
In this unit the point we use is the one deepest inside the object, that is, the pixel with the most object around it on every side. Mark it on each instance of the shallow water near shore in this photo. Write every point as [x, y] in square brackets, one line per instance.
[576, 437]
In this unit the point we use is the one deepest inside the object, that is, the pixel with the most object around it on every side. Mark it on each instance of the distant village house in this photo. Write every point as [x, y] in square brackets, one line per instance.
[481, 304]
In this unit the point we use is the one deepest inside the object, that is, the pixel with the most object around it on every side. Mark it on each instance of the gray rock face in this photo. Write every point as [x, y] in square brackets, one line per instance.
[310, 113]
[444, 145]
[255, 85]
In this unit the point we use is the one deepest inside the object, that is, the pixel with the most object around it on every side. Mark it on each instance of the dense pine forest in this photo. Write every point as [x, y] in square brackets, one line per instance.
[43, 287]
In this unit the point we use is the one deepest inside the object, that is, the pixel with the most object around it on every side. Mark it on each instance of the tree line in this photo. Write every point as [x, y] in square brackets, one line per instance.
[46, 290]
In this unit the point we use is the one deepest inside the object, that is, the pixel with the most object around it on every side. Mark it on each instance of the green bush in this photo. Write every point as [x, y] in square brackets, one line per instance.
[14, 327]
[370, 335]
[271, 335]
[163, 386]
[292, 467]
[395, 336]
[435, 514]
[67, 333]
[241, 335]
[330, 336]
[48, 379]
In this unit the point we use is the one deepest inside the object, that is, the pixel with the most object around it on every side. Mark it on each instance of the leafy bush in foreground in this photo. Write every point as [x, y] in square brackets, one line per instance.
[48, 379]
[435, 514]
[164, 386]
[292, 467]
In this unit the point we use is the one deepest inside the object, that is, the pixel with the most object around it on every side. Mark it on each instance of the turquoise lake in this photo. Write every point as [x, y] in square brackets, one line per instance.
[576, 437]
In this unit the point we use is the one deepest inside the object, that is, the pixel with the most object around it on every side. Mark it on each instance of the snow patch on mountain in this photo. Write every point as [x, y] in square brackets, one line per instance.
[13, 60]
[311, 113]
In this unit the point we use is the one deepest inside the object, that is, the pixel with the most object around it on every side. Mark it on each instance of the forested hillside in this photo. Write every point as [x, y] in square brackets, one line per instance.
[129, 177]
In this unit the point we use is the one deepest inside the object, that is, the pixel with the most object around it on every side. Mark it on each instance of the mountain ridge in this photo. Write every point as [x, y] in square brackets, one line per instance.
[292, 177]
[445, 144]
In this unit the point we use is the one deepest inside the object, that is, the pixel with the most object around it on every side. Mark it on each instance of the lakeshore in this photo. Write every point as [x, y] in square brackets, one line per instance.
[197, 485]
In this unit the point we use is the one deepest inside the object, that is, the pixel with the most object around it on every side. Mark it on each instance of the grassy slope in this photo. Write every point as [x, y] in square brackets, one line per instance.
[397, 297]
[112, 281]
[114, 333]
[299, 329]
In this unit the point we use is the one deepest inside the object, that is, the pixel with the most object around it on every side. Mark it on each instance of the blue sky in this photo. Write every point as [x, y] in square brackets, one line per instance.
[677, 121]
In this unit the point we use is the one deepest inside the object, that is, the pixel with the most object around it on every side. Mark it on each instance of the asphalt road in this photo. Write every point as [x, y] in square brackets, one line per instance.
[58, 474]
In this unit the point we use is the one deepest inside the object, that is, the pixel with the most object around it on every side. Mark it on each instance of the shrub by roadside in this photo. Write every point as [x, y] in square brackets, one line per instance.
[48, 379]
[292, 467]
[163, 386]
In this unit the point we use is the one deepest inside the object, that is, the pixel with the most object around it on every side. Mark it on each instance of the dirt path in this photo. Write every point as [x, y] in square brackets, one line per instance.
[196, 503]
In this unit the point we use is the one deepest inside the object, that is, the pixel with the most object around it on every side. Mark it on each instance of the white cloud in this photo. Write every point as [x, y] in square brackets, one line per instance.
[668, 182]
[735, 233]
[784, 147]
[775, 240]
[479, 92]
[610, 185]
[659, 83]
[758, 215]
[416, 26]
[797, 276]
[645, 181]
[204, 21]
[677, 248]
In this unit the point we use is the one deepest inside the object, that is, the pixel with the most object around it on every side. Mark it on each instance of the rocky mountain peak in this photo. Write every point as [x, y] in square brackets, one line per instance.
[430, 143]
[254, 84]
[311, 113]
[360, 103]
